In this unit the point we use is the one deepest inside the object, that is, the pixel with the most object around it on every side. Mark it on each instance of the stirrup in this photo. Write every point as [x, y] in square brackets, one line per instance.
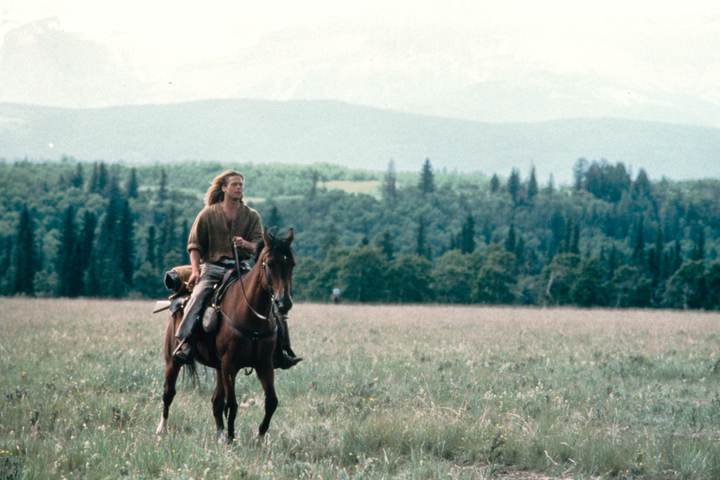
[184, 351]
[288, 361]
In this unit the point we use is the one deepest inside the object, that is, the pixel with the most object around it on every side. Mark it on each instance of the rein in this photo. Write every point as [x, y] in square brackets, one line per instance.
[267, 280]
[255, 337]
[272, 299]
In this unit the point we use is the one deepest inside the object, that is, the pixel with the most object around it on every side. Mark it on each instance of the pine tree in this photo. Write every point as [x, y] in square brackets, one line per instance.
[5, 263]
[25, 254]
[579, 170]
[330, 240]
[183, 239]
[520, 253]
[126, 243]
[387, 247]
[168, 242]
[162, 188]
[568, 236]
[494, 183]
[101, 180]
[612, 262]
[655, 259]
[132, 186]
[532, 188]
[510, 241]
[87, 239]
[104, 276]
[77, 179]
[389, 188]
[677, 259]
[638, 255]
[274, 218]
[550, 188]
[314, 179]
[112, 189]
[171, 249]
[67, 264]
[698, 252]
[641, 186]
[513, 186]
[92, 184]
[557, 227]
[588, 290]
[150, 254]
[427, 180]
[467, 236]
[575, 243]
[420, 246]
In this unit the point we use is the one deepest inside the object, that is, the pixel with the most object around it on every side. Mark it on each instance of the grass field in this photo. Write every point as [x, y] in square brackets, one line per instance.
[384, 392]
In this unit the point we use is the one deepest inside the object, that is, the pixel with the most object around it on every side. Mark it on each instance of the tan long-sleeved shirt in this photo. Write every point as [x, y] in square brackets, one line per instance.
[212, 234]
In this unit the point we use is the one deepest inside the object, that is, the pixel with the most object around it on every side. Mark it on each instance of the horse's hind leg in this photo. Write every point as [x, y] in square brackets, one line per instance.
[218, 402]
[171, 373]
[267, 379]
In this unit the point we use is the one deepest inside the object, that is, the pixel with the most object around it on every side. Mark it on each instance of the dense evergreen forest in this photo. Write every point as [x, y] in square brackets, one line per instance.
[611, 239]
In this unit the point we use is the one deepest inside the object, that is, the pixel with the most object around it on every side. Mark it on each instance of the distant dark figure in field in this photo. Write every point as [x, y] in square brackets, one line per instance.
[336, 295]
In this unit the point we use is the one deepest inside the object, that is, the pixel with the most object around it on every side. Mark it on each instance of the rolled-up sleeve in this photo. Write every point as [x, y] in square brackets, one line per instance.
[198, 238]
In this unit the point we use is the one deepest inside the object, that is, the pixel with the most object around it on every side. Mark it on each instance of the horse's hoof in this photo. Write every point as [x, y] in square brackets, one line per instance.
[162, 428]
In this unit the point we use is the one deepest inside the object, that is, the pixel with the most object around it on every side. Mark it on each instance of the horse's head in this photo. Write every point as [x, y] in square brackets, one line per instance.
[278, 261]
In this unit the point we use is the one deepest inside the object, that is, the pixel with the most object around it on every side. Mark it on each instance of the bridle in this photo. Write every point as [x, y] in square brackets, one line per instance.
[268, 282]
[273, 301]
[254, 335]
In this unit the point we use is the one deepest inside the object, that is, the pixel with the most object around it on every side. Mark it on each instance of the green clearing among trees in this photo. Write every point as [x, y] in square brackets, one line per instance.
[611, 239]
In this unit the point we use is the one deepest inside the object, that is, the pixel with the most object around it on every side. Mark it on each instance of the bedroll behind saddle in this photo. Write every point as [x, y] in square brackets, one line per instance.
[176, 280]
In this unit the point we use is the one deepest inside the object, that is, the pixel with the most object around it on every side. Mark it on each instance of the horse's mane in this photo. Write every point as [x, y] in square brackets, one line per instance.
[277, 245]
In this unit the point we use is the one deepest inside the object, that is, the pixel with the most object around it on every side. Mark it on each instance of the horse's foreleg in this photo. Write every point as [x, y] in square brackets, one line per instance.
[267, 380]
[171, 373]
[230, 403]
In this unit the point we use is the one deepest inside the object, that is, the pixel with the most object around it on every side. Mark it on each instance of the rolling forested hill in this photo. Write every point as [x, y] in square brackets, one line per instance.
[307, 132]
[612, 239]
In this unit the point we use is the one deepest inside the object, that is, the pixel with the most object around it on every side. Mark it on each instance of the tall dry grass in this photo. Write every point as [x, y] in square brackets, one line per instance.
[384, 392]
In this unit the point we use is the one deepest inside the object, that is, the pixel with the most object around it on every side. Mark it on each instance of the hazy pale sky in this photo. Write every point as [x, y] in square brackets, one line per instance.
[178, 27]
[649, 53]
[213, 26]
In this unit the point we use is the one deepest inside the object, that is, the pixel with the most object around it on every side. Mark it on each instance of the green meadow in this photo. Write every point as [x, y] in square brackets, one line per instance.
[416, 392]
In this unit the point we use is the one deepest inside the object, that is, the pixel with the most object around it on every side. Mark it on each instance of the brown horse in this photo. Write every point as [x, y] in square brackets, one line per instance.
[245, 336]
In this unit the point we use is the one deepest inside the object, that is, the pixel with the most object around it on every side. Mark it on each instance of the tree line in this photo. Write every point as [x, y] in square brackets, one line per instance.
[89, 229]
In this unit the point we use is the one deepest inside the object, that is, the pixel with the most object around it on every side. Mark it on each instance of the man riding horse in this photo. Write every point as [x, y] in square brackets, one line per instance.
[225, 226]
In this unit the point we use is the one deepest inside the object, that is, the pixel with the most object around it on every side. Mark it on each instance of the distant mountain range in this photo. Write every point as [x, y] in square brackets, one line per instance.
[306, 132]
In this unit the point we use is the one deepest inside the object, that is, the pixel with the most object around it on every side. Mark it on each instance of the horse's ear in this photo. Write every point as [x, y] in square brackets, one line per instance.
[266, 237]
[289, 238]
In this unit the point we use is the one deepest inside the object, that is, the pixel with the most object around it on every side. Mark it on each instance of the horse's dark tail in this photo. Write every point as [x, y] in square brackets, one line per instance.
[192, 374]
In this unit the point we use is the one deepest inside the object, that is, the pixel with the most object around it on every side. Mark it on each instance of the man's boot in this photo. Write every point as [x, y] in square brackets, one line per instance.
[184, 352]
[284, 355]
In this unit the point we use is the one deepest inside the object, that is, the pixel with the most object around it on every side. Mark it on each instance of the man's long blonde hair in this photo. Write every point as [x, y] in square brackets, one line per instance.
[215, 194]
